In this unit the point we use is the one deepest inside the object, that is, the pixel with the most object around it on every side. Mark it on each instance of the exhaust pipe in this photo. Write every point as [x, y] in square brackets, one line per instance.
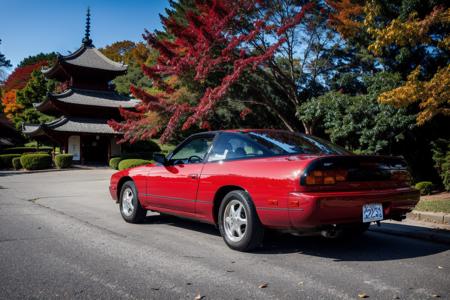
[331, 232]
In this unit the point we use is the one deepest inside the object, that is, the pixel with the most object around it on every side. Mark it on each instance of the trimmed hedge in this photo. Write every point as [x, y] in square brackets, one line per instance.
[114, 162]
[63, 160]
[141, 146]
[140, 155]
[16, 163]
[6, 160]
[130, 163]
[425, 187]
[36, 161]
[23, 150]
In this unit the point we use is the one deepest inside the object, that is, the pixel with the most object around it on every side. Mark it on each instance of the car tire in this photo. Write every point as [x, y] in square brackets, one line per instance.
[238, 221]
[130, 207]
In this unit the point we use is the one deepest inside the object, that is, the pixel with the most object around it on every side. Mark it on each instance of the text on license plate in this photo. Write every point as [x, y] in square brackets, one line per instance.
[372, 212]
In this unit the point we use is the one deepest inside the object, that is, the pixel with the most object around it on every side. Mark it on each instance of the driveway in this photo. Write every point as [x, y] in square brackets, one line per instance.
[62, 237]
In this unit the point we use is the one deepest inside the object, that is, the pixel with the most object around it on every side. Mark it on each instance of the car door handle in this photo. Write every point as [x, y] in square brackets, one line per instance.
[193, 176]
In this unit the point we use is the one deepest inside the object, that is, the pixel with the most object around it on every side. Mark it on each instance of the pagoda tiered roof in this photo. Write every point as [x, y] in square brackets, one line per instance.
[70, 125]
[83, 99]
[87, 58]
[84, 109]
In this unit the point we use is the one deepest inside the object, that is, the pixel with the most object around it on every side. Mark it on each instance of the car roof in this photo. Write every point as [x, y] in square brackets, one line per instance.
[240, 130]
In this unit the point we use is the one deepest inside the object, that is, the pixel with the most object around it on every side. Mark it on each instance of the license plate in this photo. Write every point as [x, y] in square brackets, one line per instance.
[372, 212]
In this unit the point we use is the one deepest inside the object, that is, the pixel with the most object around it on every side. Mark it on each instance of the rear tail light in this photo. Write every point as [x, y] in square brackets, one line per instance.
[326, 177]
[329, 177]
[401, 175]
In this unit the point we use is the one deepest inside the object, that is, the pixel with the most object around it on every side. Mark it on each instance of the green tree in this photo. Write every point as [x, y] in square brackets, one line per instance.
[50, 58]
[359, 122]
[134, 76]
[134, 55]
[4, 63]
[35, 91]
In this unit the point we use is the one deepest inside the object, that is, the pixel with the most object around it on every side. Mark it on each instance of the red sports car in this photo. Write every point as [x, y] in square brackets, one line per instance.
[248, 180]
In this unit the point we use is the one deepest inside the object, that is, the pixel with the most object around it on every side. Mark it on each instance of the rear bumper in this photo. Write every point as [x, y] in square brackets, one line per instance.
[309, 210]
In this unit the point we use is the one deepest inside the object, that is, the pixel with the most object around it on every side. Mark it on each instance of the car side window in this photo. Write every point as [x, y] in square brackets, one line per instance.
[234, 146]
[193, 151]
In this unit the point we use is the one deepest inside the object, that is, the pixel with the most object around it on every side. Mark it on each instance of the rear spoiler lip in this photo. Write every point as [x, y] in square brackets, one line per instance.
[400, 163]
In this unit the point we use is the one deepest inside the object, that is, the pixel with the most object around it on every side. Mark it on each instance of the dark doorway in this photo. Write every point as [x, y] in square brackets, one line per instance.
[94, 149]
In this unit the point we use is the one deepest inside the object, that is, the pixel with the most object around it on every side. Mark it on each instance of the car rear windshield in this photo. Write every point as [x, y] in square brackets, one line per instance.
[285, 143]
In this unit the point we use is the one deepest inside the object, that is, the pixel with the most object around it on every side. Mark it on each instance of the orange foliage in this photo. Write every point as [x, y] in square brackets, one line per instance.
[347, 19]
[433, 95]
[10, 106]
[410, 33]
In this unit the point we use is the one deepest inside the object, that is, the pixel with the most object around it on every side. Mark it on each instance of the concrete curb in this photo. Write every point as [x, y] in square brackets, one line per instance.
[432, 217]
[413, 230]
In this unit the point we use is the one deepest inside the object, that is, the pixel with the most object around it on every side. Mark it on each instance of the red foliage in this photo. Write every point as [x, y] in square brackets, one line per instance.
[218, 36]
[246, 111]
[20, 76]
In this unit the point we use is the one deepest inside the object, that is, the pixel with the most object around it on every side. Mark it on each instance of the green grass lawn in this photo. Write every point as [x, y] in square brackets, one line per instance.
[435, 205]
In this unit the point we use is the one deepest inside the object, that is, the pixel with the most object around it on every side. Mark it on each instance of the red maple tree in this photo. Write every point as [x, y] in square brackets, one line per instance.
[19, 77]
[221, 37]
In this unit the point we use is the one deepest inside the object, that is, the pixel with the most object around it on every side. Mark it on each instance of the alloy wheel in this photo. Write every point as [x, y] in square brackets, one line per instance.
[127, 202]
[235, 220]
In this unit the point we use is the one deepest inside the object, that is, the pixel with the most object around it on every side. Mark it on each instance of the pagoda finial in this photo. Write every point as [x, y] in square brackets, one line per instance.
[87, 34]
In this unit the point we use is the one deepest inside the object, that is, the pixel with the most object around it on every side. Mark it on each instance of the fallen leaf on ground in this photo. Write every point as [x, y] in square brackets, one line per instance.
[263, 286]
[362, 295]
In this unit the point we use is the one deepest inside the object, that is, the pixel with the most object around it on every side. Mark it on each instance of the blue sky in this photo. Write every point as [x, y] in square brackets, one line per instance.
[28, 27]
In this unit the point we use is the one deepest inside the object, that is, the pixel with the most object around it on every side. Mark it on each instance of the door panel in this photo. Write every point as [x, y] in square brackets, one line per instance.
[174, 187]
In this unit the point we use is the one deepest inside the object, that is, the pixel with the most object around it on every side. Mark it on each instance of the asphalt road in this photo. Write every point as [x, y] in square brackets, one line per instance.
[62, 237]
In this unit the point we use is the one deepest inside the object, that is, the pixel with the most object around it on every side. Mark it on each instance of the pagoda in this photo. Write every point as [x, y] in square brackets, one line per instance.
[84, 108]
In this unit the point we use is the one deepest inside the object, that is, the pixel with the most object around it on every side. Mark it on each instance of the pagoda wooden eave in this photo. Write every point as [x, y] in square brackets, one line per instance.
[88, 58]
[70, 125]
[73, 100]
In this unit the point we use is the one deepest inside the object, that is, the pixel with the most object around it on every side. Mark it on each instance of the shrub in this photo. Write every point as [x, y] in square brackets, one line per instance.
[425, 187]
[36, 161]
[441, 157]
[63, 160]
[445, 174]
[16, 163]
[141, 146]
[23, 150]
[6, 160]
[114, 162]
[130, 163]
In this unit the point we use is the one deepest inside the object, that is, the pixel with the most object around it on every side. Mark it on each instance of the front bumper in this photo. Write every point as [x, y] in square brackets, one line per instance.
[113, 192]
[309, 210]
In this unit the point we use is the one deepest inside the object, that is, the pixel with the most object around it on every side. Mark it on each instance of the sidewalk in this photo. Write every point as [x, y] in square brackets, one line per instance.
[415, 229]
[73, 167]
[431, 217]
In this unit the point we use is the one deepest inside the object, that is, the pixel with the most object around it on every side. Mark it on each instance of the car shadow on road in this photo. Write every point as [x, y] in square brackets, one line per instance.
[182, 223]
[372, 246]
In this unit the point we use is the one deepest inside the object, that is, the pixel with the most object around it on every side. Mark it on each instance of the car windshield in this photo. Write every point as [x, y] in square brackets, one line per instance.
[285, 142]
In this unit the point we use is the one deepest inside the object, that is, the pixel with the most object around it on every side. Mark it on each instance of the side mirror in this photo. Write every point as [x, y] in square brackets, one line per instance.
[160, 158]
